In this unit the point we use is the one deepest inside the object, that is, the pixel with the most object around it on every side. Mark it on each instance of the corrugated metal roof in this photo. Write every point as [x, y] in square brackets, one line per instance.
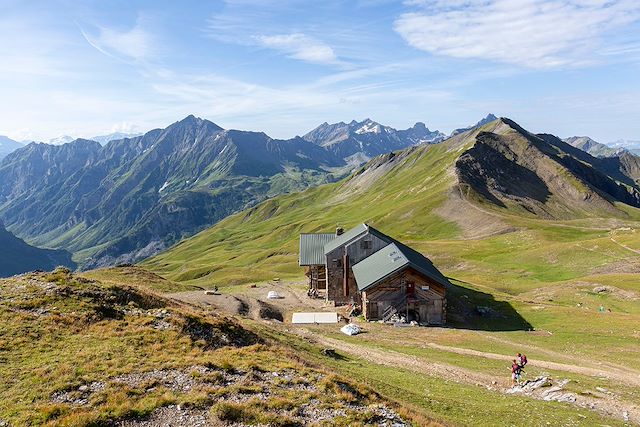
[391, 259]
[312, 248]
[345, 237]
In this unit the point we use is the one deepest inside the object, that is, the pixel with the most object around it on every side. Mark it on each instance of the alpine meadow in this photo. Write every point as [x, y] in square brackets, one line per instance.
[249, 213]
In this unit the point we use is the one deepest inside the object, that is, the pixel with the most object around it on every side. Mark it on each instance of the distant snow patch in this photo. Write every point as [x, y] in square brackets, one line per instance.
[369, 127]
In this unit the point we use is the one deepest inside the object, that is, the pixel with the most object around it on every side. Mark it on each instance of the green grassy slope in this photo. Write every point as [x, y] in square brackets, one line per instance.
[543, 270]
[411, 196]
[262, 242]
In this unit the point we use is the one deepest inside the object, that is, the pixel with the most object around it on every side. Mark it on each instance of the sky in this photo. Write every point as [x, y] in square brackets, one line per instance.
[567, 67]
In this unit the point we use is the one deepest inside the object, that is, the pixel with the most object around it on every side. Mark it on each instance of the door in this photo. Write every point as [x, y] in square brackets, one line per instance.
[434, 313]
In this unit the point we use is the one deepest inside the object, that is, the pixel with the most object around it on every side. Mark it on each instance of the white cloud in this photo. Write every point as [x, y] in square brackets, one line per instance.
[125, 127]
[300, 46]
[135, 43]
[530, 33]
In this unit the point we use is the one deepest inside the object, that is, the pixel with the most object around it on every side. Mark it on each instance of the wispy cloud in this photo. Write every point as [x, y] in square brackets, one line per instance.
[299, 46]
[530, 33]
[135, 43]
[260, 24]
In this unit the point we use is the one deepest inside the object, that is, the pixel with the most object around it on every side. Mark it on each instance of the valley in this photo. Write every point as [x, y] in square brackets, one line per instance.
[134, 197]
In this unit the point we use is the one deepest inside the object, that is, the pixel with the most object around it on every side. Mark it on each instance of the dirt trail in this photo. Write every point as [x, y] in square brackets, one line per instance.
[623, 376]
[253, 302]
[604, 369]
[625, 246]
[605, 404]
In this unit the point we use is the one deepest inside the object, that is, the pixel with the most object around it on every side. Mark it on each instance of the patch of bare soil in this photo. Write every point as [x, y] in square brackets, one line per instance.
[623, 266]
[174, 416]
[253, 303]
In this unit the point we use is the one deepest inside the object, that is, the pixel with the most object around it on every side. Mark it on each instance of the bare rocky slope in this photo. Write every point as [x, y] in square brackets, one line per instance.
[542, 175]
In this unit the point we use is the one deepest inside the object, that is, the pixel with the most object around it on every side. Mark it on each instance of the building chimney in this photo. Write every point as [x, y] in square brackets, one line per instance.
[339, 231]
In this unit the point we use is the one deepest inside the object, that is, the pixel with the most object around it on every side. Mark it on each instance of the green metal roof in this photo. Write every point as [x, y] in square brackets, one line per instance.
[390, 259]
[345, 237]
[312, 248]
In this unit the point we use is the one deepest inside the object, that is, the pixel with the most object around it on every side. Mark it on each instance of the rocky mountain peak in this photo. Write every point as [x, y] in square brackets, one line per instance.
[487, 119]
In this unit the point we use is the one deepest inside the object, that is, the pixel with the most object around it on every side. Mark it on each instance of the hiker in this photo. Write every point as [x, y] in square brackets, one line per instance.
[515, 373]
[215, 289]
[521, 360]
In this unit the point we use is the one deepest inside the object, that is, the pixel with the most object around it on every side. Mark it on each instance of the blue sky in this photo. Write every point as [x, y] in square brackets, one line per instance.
[568, 67]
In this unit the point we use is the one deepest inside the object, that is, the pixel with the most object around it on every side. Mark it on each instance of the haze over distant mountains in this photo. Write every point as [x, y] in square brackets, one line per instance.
[8, 145]
[593, 147]
[102, 139]
[133, 197]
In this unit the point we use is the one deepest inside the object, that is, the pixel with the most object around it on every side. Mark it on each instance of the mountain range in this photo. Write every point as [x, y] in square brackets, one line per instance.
[356, 142]
[592, 147]
[133, 197]
[493, 180]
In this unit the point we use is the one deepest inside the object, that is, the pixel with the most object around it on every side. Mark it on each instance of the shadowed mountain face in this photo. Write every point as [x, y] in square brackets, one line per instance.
[133, 197]
[19, 257]
[540, 174]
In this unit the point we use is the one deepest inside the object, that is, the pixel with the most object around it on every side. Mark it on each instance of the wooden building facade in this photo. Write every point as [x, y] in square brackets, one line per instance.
[366, 267]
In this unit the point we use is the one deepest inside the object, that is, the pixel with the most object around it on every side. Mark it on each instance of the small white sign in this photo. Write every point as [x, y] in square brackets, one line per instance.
[314, 318]
[424, 288]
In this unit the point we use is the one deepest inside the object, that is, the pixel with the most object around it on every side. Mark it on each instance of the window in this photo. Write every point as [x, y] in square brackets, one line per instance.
[366, 244]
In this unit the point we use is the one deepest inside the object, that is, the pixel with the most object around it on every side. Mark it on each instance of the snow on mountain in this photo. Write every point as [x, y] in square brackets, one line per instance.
[369, 127]
[356, 142]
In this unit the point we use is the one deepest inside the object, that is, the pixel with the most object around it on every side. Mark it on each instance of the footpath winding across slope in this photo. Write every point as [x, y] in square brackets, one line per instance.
[607, 405]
